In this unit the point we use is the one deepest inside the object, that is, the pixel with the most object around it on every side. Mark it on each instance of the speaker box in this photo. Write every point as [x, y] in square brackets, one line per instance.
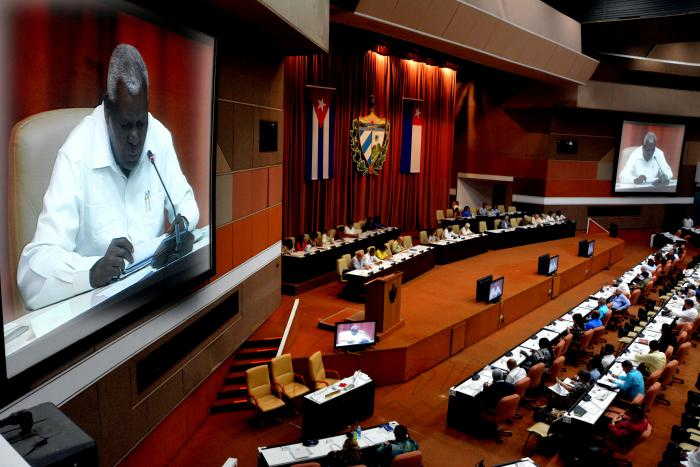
[567, 146]
[613, 230]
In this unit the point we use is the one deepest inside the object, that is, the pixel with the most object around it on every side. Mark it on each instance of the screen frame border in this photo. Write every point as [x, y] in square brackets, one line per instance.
[616, 161]
[357, 346]
[502, 279]
[43, 371]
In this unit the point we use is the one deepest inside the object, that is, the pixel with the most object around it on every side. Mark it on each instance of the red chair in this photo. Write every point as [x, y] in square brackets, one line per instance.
[505, 412]
[554, 371]
[569, 338]
[535, 374]
[634, 296]
[666, 380]
[408, 459]
[682, 353]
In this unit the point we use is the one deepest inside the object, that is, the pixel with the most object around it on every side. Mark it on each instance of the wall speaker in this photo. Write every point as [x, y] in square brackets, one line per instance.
[567, 146]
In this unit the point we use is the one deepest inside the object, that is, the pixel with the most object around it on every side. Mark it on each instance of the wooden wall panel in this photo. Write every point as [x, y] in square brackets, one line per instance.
[459, 334]
[519, 305]
[274, 195]
[224, 249]
[428, 353]
[574, 275]
[482, 324]
[600, 261]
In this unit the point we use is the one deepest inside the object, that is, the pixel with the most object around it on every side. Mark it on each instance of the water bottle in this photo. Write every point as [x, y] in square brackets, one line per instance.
[358, 433]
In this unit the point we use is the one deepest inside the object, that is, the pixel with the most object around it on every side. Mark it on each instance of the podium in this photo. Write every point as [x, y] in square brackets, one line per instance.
[384, 303]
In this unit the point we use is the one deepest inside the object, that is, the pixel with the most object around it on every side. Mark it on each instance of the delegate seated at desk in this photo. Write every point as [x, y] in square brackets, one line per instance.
[104, 195]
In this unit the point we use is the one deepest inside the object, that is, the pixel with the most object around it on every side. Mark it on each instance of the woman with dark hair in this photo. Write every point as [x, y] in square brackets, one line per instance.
[401, 444]
[627, 430]
[667, 337]
[576, 331]
[349, 455]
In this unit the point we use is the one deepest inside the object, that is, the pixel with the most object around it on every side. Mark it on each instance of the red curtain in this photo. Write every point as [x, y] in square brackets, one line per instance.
[408, 201]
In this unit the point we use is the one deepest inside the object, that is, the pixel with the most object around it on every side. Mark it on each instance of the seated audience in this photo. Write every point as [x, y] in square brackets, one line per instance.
[655, 360]
[576, 331]
[619, 302]
[383, 253]
[626, 431]
[348, 456]
[287, 246]
[515, 373]
[494, 212]
[466, 212]
[602, 308]
[560, 216]
[465, 231]
[593, 321]
[401, 444]
[504, 223]
[372, 254]
[448, 234]
[350, 231]
[326, 240]
[651, 265]
[543, 355]
[631, 383]
[495, 391]
[317, 239]
[483, 211]
[360, 261]
[595, 368]
[667, 336]
[688, 314]
[395, 246]
[302, 244]
[580, 384]
[687, 222]
[339, 232]
[607, 356]
[432, 238]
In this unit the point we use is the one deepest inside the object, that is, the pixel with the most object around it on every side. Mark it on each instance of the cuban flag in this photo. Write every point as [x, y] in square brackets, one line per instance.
[319, 137]
[412, 131]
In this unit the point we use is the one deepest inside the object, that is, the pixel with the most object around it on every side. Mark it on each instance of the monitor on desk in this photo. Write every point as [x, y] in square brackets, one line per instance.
[496, 290]
[355, 335]
[586, 248]
[83, 250]
[543, 264]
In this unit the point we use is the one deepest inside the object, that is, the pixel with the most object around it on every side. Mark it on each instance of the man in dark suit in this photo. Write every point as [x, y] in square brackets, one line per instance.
[494, 392]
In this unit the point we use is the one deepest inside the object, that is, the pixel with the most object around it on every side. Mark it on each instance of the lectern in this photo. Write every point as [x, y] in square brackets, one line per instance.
[384, 303]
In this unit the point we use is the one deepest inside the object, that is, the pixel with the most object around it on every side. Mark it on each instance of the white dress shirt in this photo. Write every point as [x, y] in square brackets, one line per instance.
[466, 231]
[686, 316]
[360, 263]
[90, 202]
[449, 235]
[636, 166]
[688, 222]
[515, 375]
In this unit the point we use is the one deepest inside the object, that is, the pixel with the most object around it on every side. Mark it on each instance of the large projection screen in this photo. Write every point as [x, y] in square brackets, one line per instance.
[649, 157]
[107, 163]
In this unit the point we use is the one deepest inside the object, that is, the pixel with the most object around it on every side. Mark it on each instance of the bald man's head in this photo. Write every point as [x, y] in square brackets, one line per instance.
[649, 145]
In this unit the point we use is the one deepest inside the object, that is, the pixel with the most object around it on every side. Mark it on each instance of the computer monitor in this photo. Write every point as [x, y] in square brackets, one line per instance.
[482, 288]
[553, 265]
[354, 335]
[583, 248]
[591, 248]
[543, 265]
[496, 290]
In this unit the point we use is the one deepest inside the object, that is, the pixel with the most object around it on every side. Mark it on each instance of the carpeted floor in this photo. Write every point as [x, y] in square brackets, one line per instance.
[421, 403]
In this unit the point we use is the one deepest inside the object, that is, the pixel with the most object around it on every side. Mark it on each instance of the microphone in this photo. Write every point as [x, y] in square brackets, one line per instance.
[184, 241]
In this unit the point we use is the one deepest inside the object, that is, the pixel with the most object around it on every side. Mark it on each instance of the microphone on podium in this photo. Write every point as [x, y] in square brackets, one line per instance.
[174, 246]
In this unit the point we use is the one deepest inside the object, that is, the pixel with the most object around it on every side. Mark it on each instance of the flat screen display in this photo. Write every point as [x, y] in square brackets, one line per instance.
[649, 157]
[109, 147]
[553, 264]
[591, 248]
[355, 334]
[496, 289]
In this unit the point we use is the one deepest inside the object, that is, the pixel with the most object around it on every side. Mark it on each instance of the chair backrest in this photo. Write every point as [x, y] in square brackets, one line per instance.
[331, 234]
[653, 378]
[514, 222]
[317, 371]
[669, 371]
[669, 352]
[501, 208]
[440, 233]
[522, 386]
[449, 214]
[606, 319]
[258, 381]
[423, 237]
[506, 407]
[586, 339]
[407, 241]
[341, 265]
[408, 459]
[34, 144]
[597, 333]
[455, 229]
[439, 215]
[482, 226]
[682, 353]
[535, 374]
[357, 225]
[559, 348]
[683, 336]
[474, 211]
[634, 296]
[511, 209]
[567, 342]
[556, 367]
[651, 395]
[282, 371]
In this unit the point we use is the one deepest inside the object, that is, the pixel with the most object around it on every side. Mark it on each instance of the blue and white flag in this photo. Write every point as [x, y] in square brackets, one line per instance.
[412, 136]
[319, 137]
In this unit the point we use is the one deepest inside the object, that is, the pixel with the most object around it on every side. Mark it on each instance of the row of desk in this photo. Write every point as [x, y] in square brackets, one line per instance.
[301, 266]
[463, 410]
[474, 220]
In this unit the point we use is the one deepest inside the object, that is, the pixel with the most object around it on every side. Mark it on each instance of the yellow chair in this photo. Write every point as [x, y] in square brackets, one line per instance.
[474, 211]
[407, 241]
[260, 390]
[501, 208]
[449, 214]
[528, 219]
[482, 226]
[331, 234]
[357, 225]
[342, 264]
[423, 237]
[317, 372]
[440, 234]
[285, 379]
[511, 209]
[514, 222]
[439, 215]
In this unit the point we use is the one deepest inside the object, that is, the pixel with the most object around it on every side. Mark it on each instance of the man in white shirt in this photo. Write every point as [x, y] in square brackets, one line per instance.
[360, 261]
[688, 314]
[647, 164]
[449, 235]
[688, 222]
[105, 204]
[465, 231]
[515, 373]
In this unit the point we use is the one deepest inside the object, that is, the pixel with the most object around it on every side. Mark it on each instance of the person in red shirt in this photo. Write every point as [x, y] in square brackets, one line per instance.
[625, 431]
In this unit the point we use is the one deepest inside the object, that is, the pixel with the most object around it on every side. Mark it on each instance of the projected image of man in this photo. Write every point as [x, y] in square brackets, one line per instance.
[647, 164]
[105, 205]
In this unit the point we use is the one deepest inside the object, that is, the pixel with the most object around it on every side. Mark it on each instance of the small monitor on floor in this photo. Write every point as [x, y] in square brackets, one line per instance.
[553, 265]
[496, 290]
[482, 288]
[355, 335]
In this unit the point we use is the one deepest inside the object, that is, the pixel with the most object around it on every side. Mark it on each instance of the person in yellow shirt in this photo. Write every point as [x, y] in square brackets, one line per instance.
[655, 360]
[383, 253]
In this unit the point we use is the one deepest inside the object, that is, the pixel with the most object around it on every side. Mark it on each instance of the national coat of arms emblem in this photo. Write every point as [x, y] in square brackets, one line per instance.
[369, 140]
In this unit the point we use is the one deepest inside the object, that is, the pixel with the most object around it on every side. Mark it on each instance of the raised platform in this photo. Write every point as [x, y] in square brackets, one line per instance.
[439, 307]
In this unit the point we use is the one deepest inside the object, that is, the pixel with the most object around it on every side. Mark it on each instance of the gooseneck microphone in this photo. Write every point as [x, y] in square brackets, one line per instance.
[152, 158]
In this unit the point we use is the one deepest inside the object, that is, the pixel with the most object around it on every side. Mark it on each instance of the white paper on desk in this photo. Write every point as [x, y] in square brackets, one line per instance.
[277, 456]
[373, 437]
[559, 389]
[300, 451]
